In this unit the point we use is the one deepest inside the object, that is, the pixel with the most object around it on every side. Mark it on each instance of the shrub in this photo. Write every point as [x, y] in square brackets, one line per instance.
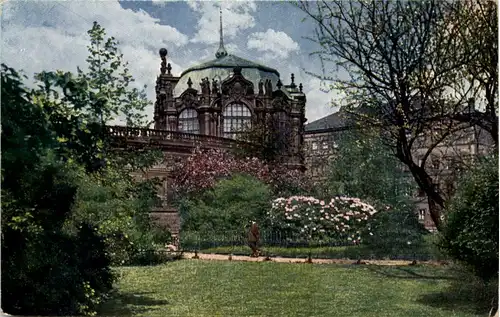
[396, 233]
[228, 207]
[470, 234]
[341, 218]
[46, 270]
[118, 206]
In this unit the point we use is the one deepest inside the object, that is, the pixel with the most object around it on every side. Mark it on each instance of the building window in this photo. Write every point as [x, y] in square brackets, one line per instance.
[325, 145]
[421, 214]
[282, 120]
[314, 146]
[188, 121]
[435, 164]
[236, 118]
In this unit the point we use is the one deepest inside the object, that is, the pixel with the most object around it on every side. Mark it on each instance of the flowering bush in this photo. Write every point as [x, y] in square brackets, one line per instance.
[202, 169]
[341, 218]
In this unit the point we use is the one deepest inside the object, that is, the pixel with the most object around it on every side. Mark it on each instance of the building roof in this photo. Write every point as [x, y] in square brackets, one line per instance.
[221, 68]
[230, 61]
[335, 120]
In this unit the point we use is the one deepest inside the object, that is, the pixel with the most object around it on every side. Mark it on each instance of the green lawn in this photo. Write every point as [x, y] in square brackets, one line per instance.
[427, 251]
[223, 288]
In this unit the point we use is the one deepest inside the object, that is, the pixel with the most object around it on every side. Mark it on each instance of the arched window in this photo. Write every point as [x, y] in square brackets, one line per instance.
[237, 117]
[188, 121]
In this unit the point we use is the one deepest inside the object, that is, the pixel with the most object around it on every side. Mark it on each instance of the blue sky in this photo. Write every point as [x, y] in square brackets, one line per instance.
[52, 35]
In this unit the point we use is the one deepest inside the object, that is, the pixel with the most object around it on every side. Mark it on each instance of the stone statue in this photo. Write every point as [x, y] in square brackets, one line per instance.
[207, 81]
[215, 88]
[205, 86]
[261, 87]
[253, 239]
[269, 87]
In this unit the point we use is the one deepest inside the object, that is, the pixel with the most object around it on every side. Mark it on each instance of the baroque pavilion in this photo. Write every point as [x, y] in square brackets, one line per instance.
[227, 95]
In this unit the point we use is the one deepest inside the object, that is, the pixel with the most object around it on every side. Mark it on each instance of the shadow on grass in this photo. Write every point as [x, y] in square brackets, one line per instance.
[475, 298]
[464, 292]
[409, 273]
[128, 304]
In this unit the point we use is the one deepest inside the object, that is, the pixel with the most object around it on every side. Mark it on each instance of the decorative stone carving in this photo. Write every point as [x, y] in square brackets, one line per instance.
[269, 87]
[237, 86]
[215, 88]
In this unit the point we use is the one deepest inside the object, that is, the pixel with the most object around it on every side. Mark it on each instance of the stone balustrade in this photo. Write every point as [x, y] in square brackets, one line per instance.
[170, 137]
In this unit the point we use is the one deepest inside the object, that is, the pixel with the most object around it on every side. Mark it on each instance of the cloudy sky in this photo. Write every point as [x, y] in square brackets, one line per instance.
[51, 35]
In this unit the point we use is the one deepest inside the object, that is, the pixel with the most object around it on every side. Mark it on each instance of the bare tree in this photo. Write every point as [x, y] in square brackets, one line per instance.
[477, 35]
[401, 63]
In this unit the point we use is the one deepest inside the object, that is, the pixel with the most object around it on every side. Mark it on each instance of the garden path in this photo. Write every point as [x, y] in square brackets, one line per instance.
[225, 257]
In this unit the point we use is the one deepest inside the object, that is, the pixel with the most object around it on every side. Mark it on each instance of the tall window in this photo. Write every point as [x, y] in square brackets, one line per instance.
[421, 214]
[188, 121]
[237, 118]
[282, 120]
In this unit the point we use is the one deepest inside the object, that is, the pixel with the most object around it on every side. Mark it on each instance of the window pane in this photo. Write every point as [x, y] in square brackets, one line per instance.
[188, 121]
[237, 118]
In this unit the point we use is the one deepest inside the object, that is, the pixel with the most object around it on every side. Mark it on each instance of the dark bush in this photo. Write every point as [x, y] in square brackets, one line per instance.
[470, 233]
[47, 271]
[228, 207]
[396, 233]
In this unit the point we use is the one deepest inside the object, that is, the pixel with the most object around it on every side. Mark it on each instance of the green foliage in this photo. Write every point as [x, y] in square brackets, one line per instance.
[364, 167]
[268, 140]
[60, 218]
[118, 206]
[49, 270]
[78, 106]
[228, 207]
[396, 232]
[471, 228]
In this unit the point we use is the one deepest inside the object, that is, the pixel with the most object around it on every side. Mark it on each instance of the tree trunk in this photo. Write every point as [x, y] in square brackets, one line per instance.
[435, 211]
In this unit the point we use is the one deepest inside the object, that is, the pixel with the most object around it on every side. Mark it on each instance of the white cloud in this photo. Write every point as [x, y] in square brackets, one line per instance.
[274, 44]
[236, 15]
[319, 100]
[41, 36]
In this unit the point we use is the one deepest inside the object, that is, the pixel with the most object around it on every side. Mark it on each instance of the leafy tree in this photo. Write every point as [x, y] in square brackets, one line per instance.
[403, 63]
[268, 139]
[364, 167]
[56, 254]
[203, 169]
[227, 207]
[78, 106]
[471, 231]
[118, 206]
[49, 270]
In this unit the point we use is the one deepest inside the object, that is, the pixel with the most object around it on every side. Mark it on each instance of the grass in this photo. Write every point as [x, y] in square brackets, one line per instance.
[427, 251]
[216, 288]
[339, 252]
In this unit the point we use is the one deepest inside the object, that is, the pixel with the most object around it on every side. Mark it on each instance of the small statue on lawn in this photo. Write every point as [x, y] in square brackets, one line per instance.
[253, 239]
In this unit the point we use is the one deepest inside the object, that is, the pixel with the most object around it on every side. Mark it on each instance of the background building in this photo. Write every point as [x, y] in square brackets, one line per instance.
[445, 163]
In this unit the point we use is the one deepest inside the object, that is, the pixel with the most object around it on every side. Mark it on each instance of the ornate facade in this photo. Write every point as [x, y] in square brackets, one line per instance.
[225, 97]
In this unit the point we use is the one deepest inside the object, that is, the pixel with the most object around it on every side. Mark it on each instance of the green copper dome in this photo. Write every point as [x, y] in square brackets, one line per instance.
[231, 61]
[221, 68]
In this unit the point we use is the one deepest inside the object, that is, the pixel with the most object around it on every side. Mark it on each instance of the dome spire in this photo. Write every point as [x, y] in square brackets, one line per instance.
[221, 52]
